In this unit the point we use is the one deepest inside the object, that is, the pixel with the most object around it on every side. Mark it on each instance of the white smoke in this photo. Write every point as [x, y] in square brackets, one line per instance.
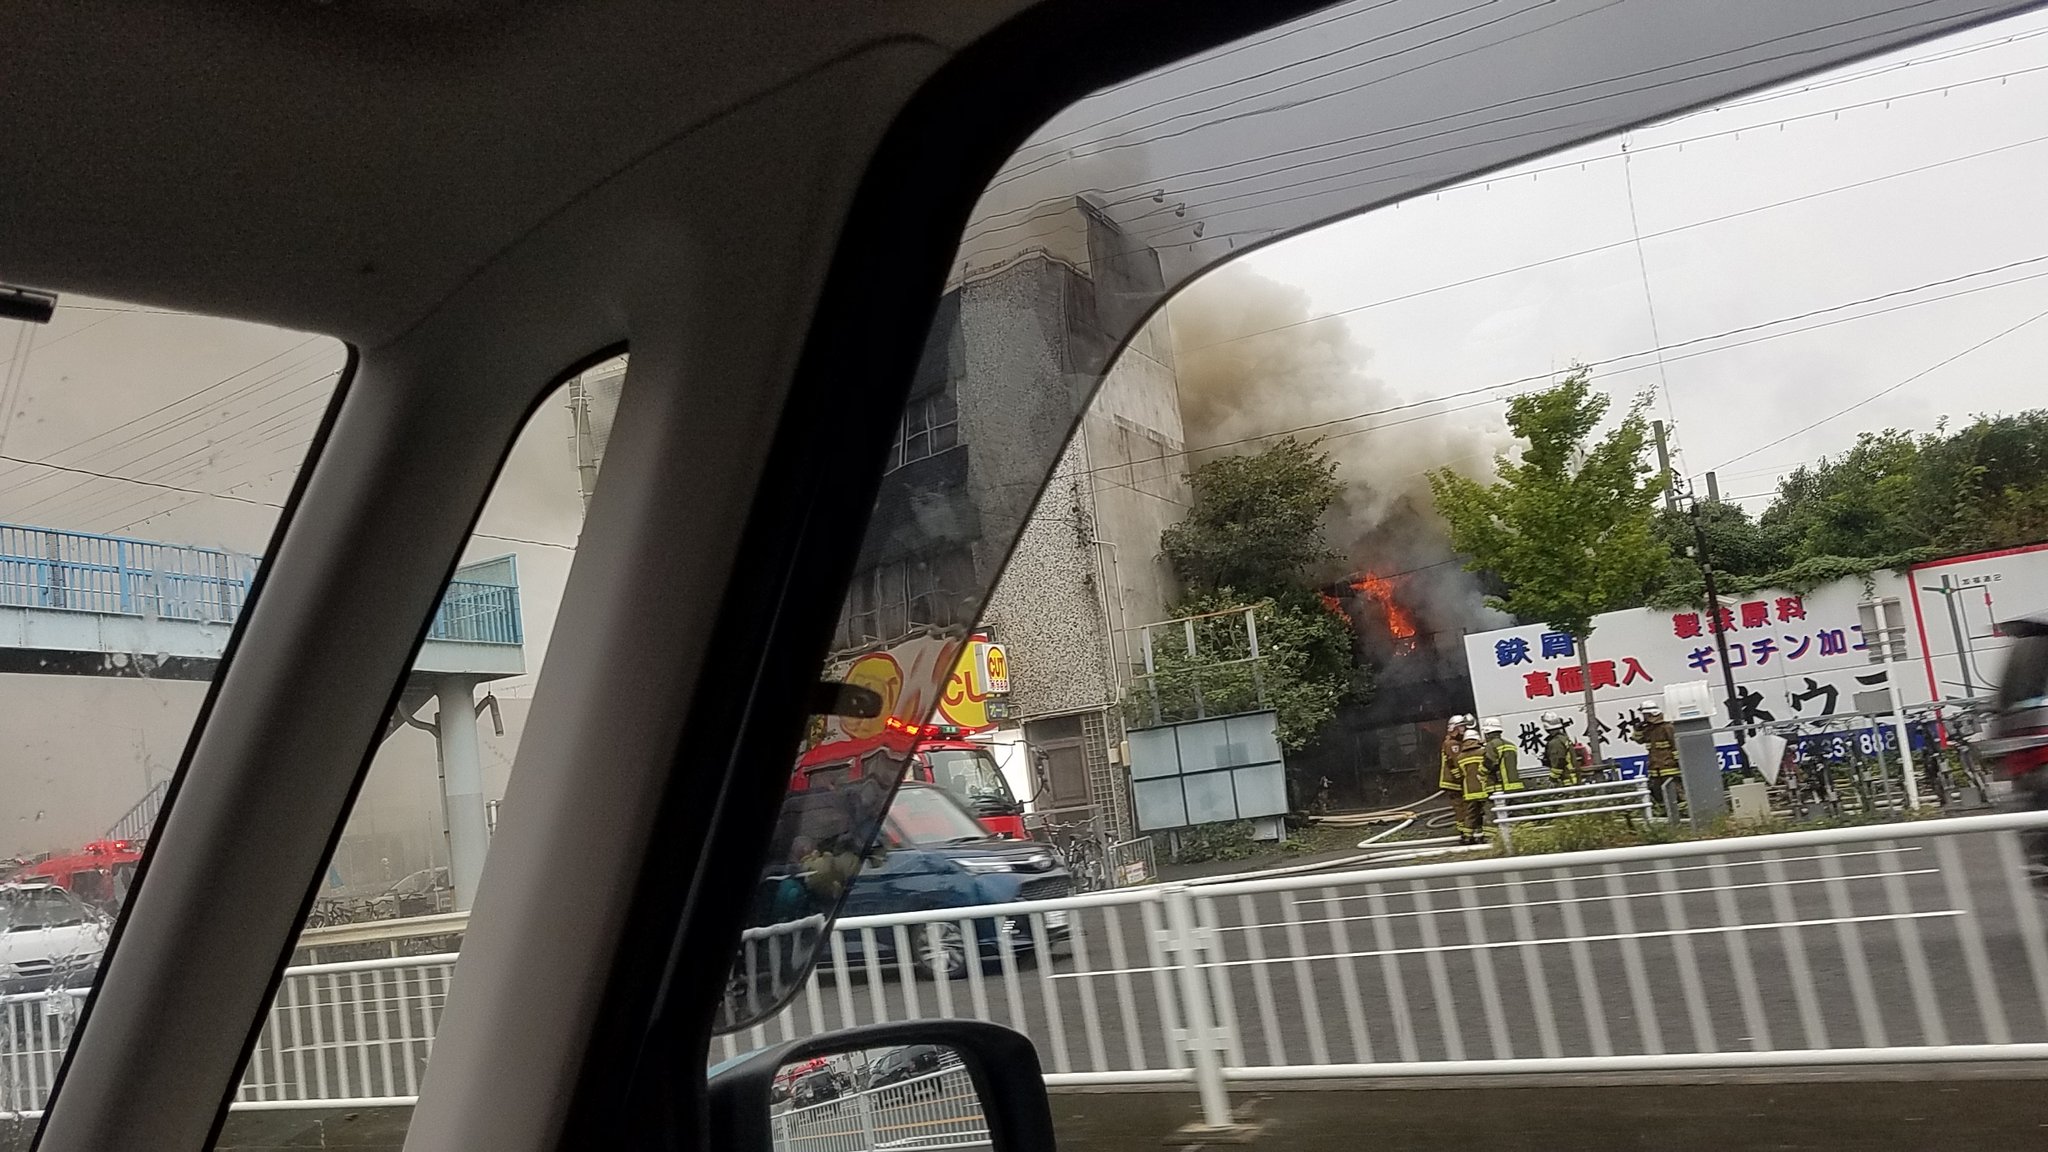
[1253, 363]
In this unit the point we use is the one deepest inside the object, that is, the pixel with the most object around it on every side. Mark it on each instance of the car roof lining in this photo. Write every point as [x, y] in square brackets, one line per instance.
[345, 168]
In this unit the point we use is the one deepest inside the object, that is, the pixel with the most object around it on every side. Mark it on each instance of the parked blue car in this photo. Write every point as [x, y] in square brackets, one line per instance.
[934, 854]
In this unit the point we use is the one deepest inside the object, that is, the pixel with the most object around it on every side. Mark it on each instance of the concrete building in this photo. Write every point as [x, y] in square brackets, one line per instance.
[1087, 573]
[1012, 360]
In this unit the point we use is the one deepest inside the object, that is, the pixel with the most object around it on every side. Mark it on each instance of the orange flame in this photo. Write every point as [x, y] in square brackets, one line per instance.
[1399, 622]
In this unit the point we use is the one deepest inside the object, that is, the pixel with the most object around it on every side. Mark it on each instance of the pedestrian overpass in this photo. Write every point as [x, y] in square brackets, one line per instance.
[79, 604]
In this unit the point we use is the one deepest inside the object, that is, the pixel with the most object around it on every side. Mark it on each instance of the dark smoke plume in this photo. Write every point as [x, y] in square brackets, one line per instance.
[1252, 363]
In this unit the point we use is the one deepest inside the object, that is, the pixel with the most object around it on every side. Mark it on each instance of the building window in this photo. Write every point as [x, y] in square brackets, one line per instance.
[892, 600]
[930, 426]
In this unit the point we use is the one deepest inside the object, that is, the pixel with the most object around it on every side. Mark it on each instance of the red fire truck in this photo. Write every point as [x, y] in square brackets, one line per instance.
[938, 755]
[98, 873]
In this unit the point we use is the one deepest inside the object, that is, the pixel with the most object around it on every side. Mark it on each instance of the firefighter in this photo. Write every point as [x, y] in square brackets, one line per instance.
[1657, 737]
[1503, 759]
[1558, 754]
[1447, 777]
[1472, 761]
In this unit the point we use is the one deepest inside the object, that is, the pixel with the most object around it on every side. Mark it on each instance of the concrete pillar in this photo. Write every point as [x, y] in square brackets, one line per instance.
[462, 788]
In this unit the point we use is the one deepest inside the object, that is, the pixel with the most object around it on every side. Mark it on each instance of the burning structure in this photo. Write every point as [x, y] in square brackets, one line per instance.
[1397, 621]
[1254, 364]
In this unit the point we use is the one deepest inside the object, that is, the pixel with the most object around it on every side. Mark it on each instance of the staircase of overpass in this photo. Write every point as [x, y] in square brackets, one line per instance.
[81, 604]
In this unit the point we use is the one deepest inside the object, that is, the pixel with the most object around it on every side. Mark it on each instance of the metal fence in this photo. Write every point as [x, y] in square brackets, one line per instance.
[938, 1110]
[356, 1032]
[79, 571]
[1900, 943]
[118, 575]
[1630, 797]
[477, 612]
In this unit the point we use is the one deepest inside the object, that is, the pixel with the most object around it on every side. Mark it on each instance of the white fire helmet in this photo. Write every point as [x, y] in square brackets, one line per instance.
[1491, 726]
[1552, 720]
[1461, 721]
[1653, 708]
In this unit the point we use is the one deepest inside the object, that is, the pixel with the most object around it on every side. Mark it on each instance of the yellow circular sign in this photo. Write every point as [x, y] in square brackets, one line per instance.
[960, 705]
[876, 671]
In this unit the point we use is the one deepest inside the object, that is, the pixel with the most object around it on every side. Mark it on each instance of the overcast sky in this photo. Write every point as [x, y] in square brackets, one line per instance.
[1979, 140]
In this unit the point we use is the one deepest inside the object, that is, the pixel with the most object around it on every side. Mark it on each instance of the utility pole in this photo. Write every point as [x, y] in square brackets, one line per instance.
[1963, 653]
[1706, 563]
[1664, 466]
[1884, 638]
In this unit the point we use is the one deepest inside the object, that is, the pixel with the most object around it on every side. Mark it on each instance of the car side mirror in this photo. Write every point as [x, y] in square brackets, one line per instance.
[970, 1084]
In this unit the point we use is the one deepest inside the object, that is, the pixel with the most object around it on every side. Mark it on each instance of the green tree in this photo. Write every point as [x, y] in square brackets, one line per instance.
[1253, 537]
[1861, 503]
[1569, 528]
[1737, 544]
[1256, 524]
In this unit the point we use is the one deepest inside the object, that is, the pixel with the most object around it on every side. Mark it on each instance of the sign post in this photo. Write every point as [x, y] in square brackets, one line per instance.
[1884, 630]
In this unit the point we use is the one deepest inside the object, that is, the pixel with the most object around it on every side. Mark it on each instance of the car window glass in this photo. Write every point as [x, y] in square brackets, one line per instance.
[1123, 198]
[354, 1016]
[1252, 592]
[145, 455]
[928, 816]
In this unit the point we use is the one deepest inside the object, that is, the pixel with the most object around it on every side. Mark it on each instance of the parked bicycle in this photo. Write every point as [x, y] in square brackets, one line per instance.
[1085, 849]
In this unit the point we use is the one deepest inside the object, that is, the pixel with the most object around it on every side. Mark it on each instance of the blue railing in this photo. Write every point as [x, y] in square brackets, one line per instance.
[477, 612]
[117, 575]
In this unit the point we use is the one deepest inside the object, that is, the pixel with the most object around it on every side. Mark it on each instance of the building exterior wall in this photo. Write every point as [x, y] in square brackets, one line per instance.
[1010, 366]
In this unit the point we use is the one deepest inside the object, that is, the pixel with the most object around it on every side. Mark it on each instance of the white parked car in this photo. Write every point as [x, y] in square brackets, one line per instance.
[48, 938]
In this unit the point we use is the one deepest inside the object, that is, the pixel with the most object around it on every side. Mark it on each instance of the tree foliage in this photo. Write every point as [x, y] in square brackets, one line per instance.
[1891, 500]
[1303, 672]
[1257, 522]
[1254, 537]
[1569, 527]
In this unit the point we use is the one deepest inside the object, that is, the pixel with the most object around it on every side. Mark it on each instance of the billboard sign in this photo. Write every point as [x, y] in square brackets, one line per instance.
[991, 668]
[1956, 608]
[1794, 657]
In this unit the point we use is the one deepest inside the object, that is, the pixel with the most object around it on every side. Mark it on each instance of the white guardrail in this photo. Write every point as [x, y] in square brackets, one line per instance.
[1629, 797]
[1912, 942]
[938, 1110]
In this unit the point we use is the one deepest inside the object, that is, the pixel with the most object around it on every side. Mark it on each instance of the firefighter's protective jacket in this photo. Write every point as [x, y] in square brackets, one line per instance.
[1504, 765]
[1472, 772]
[1447, 777]
[1558, 757]
[1662, 741]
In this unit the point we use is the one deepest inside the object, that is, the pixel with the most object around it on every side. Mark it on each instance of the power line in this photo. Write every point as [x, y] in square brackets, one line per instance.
[228, 496]
[1103, 143]
[1888, 390]
[1635, 228]
[201, 455]
[1298, 28]
[158, 429]
[1210, 215]
[283, 424]
[1544, 377]
[221, 383]
[1519, 105]
[17, 372]
[1612, 245]
[1836, 81]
